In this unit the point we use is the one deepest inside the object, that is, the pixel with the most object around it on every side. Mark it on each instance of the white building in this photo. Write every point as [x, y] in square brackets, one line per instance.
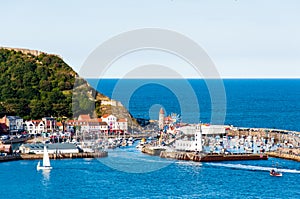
[87, 124]
[193, 136]
[121, 124]
[191, 143]
[206, 129]
[51, 148]
[110, 120]
[35, 126]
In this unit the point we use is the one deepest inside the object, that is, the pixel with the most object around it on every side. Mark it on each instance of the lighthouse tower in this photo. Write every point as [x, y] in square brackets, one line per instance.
[161, 117]
[198, 138]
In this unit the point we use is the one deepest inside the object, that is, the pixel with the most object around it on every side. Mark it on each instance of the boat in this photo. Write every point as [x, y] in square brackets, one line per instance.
[275, 173]
[124, 143]
[130, 141]
[143, 141]
[46, 161]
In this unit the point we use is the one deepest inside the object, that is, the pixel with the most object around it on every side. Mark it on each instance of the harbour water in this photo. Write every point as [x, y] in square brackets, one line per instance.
[126, 173]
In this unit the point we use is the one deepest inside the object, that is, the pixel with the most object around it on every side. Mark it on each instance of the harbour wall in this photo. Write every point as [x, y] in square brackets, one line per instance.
[53, 156]
[189, 156]
[284, 156]
[64, 155]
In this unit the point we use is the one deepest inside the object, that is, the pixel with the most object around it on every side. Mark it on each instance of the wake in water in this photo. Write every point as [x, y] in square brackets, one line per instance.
[252, 168]
[189, 163]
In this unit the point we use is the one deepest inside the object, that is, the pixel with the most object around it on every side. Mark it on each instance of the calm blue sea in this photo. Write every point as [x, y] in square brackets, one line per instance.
[127, 173]
[271, 103]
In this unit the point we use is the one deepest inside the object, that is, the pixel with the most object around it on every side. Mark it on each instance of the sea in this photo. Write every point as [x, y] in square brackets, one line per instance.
[128, 173]
[253, 103]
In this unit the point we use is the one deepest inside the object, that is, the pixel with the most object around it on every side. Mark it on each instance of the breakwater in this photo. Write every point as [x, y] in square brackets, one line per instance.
[64, 156]
[53, 156]
[286, 156]
[201, 157]
[152, 150]
[9, 158]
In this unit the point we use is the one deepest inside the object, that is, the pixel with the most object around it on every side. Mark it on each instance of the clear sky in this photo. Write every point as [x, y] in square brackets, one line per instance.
[244, 38]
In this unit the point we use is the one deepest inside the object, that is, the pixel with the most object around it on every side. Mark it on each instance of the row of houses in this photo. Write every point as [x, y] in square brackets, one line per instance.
[107, 123]
[16, 125]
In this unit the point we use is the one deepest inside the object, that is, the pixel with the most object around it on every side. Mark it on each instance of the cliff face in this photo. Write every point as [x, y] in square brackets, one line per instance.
[34, 84]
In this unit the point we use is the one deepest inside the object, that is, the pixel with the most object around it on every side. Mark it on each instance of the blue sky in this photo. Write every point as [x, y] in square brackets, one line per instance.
[244, 38]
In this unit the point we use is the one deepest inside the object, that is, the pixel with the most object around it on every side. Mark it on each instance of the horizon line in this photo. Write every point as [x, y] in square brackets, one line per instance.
[240, 78]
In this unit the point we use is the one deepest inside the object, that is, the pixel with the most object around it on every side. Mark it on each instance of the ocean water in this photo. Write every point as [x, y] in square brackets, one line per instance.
[268, 103]
[127, 173]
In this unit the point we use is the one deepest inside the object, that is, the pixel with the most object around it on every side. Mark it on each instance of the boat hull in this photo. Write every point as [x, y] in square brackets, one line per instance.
[43, 168]
[276, 174]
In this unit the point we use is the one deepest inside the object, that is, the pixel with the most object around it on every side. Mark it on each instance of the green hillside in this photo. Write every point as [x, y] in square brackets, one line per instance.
[34, 86]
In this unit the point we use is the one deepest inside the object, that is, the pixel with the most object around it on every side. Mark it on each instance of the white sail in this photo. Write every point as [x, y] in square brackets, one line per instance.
[46, 160]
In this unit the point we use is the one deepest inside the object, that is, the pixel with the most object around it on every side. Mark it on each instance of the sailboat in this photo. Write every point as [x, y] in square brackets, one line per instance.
[46, 161]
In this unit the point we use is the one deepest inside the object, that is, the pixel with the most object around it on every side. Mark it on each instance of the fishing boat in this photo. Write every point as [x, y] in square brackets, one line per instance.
[46, 161]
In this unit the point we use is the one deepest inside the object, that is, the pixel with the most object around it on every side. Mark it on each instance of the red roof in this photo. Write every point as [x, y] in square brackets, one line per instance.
[105, 115]
[84, 117]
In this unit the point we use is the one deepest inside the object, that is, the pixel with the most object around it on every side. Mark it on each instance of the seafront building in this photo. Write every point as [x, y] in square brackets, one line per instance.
[107, 124]
[34, 127]
[14, 124]
[38, 148]
[192, 136]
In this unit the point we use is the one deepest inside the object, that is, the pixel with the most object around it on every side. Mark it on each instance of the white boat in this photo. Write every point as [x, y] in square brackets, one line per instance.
[46, 161]
[130, 142]
[140, 146]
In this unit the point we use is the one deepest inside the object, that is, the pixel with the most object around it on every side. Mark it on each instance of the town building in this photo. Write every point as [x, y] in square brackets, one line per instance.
[105, 124]
[192, 136]
[5, 148]
[34, 127]
[51, 148]
[14, 124]
[115, 125]
[86, 124]
[50, 124]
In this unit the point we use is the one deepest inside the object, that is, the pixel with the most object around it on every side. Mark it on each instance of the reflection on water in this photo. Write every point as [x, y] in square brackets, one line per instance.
[46, 177]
